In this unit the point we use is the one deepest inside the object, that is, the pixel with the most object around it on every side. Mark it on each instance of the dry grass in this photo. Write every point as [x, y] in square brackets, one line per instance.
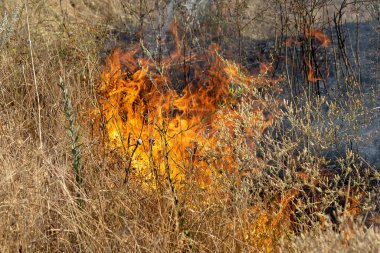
[351, 238]
[287, 190]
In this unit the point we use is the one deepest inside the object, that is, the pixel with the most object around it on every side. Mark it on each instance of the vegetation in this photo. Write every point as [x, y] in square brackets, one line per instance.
[223, 126]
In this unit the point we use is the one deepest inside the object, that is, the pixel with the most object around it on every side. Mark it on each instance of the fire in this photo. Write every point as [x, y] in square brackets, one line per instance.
[319, 36]
[163, 130]
[311, 75]
[323, 39]
[163, 117]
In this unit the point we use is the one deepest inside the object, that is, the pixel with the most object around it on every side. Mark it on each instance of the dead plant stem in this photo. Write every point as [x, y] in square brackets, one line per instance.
[34, 76]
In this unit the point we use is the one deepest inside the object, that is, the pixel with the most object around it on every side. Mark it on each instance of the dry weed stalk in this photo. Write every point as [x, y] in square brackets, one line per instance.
[39, 121]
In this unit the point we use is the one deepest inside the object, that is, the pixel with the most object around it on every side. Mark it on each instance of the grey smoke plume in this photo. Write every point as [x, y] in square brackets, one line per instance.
[169, 17]
[196, 6]
[195, 9]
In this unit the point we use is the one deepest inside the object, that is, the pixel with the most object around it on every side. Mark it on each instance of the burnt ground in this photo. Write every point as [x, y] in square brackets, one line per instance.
[362, 51]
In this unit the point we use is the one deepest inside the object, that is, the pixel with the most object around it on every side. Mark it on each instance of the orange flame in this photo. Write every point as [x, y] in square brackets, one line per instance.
[311, 75]
[319, 36]
[161, 129]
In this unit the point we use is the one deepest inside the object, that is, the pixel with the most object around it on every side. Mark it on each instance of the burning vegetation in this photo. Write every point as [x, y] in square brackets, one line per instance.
[324, 41]
[194, 118]
[164, 116]
[186, 121]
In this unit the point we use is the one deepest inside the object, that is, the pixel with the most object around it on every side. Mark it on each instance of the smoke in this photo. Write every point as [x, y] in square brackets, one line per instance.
[196, 6]
[169, 17]
[195, 10]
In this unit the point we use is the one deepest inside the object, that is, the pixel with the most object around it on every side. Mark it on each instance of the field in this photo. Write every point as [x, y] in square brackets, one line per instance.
[189, 126]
